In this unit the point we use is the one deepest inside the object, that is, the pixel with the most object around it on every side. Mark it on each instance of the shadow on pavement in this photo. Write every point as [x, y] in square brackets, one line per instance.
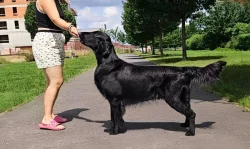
[71, 114]
[170, 126]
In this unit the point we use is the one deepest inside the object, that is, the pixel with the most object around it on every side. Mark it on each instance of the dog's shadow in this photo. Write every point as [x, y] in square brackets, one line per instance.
[71, 114]
[170, 126]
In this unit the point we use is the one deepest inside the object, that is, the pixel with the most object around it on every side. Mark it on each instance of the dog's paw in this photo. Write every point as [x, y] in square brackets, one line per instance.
[113, 132]
[122, 130]
[107, 130]
[189, 133]
[184, 124]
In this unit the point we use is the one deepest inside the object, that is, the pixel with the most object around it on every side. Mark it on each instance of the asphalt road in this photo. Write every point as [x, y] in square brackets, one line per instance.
[219, 124]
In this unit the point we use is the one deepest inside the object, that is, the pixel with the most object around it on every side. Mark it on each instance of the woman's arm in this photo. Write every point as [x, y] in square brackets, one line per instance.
[49, 7]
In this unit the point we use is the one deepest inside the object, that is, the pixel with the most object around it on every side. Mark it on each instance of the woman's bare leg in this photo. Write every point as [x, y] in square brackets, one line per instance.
[54, 82]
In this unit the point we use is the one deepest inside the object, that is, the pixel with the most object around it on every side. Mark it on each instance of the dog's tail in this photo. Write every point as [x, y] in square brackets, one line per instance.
[207, 74]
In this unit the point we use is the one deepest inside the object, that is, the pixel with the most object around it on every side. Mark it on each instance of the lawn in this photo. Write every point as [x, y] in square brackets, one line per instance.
[21, 82]
[235, 79]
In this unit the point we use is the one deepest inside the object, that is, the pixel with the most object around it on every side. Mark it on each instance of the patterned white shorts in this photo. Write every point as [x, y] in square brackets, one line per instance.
[48, 49]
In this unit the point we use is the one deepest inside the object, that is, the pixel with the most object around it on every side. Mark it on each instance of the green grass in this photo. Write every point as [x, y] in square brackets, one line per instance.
[235, 79]
[21, 82]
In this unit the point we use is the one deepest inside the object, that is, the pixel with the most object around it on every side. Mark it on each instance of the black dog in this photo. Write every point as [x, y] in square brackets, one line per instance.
[125, 84]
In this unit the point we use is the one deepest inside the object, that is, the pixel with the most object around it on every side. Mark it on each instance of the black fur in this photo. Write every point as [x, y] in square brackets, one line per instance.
[123, 84]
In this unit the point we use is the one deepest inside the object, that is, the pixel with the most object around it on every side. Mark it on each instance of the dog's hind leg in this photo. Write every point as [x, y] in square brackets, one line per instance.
[185, 97]
[117, 122]
[181, 103]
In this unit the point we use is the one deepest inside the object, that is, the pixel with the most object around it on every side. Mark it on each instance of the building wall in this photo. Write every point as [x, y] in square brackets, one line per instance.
[10, 2]
[9, 11]
[18, 37]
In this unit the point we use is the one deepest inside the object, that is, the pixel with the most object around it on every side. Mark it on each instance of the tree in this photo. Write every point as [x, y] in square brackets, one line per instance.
[173, 39]
[221, 19]
[113, 33]
[132, 24]
[105, 30]
[30, 19]
[145, 19]
[31, 22]
[121, 37]
[184, 9]
[129, 17]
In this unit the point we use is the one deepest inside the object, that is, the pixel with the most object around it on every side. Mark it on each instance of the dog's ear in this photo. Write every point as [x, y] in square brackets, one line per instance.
[107, 49]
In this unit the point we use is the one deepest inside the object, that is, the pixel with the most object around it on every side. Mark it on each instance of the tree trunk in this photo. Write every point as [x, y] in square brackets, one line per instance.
[142, 48]
[161, 44]
[146, 51]
[183, 29]
[153, 46]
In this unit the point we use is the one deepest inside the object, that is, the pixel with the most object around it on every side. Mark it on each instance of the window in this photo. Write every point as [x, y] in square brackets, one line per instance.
[4, 39]
[16, 25]
[3, 25]
[14, 11]
[2, 12]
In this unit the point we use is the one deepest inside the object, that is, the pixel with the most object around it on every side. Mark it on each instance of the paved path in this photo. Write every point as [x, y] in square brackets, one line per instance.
[220, 125]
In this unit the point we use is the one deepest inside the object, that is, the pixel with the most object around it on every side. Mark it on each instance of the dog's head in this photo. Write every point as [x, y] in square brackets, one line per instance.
[98, 41]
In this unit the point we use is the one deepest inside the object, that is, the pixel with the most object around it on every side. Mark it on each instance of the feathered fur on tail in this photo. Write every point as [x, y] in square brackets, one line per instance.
[207, 74]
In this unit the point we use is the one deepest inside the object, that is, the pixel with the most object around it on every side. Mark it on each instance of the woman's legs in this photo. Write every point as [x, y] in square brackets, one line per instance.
[47, 85]
[54, 77]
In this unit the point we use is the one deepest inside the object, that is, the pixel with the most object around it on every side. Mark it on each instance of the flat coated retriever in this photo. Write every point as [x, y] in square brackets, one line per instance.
[123, 84]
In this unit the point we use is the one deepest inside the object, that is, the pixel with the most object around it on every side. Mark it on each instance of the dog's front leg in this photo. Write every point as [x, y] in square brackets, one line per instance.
[117, 122]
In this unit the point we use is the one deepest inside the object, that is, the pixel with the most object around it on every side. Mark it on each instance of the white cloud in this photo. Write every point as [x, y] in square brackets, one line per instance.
[96, 17]
[110, 11]
[96, 13]
[88, 15]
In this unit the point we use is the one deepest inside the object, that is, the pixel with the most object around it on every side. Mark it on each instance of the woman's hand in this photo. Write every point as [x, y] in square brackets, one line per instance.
[73, 31]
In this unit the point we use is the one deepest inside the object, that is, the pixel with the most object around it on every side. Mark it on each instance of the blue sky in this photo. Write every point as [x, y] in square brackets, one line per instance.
[96, 13]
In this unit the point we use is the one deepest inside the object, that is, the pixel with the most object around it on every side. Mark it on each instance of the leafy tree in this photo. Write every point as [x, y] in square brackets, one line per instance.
[148, 20]
[129, 17]
[220, 20]
[165, 14]
[30, 19]
[121, 37]
[237, 39]
[240, 28]
[184, 9]
[196, 42]
[105, 30]
[173, 39]
[69, 17]
[113, 33]
[132, 24]
[31, 22]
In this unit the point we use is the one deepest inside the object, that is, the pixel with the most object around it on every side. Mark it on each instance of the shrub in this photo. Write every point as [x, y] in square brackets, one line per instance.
[244, 42]
[233, 43]
[240, 28]
[29, 57]
[196, 42]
